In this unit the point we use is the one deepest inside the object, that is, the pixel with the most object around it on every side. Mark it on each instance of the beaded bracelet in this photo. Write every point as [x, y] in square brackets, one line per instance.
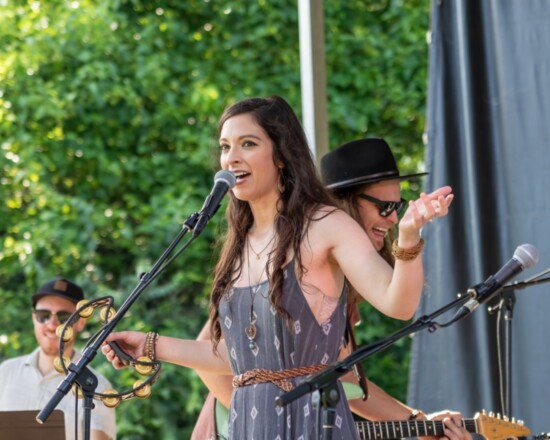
[406, 254]
[151, 346]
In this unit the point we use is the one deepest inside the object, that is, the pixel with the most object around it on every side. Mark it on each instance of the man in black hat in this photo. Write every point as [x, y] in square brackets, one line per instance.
[28, 382]
[364, 176]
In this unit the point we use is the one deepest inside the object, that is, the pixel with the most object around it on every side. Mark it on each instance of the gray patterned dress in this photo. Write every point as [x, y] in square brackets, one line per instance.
[253, 413]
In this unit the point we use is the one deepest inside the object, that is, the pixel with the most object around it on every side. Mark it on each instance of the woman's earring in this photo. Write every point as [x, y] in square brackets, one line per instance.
[281, 183]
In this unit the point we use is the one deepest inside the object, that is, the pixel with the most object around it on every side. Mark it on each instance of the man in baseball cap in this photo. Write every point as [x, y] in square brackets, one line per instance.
[28, 382]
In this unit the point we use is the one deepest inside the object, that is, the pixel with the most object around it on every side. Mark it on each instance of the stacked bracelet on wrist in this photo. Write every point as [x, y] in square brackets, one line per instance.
[151, 346]
[400, 253]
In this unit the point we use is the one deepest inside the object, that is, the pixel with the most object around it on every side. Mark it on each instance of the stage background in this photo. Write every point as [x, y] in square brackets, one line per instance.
[488, 133]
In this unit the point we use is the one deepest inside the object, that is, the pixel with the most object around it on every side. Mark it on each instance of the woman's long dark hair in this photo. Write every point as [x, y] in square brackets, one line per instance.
[303, 193]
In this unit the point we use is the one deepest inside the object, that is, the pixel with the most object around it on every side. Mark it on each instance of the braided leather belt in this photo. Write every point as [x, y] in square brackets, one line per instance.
[278, 378]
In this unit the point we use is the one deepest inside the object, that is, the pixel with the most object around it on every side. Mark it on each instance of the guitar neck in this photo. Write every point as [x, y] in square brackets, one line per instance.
[407, 428]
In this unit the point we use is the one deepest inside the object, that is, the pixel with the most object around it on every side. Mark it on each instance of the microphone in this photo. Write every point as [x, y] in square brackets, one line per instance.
[525, 256]
[224, 180]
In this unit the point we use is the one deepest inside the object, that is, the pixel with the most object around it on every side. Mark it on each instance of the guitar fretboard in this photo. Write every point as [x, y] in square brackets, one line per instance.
[407, 428]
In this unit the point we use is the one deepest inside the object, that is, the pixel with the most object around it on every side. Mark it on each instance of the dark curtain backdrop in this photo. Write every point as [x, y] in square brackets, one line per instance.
[488, 137]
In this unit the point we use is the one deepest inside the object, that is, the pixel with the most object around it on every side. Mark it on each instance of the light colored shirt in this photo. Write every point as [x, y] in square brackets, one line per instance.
[22, 387]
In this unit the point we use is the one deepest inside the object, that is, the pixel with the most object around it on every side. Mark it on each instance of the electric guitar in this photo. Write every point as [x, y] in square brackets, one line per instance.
[487, 425]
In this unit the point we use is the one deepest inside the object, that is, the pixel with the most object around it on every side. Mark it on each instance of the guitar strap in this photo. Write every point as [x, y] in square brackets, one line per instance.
[352, 319]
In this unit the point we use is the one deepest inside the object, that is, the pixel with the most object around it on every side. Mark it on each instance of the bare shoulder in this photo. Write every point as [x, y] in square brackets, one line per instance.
[335, 245]
[326, 213]
[332, 217]
[331, 226]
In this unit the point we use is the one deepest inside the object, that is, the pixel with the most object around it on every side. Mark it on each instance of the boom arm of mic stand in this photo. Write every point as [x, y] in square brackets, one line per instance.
[91, 351]
[328, 376]
[530, 282]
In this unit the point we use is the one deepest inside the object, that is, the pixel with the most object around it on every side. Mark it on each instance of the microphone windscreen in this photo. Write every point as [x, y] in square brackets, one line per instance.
[527, 255]
[227, 177]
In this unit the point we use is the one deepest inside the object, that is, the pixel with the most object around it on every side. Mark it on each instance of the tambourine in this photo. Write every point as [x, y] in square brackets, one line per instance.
[143, 365]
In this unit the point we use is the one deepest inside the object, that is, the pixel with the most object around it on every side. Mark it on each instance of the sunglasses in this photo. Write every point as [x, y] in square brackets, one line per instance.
[43, 316]
[385, 208]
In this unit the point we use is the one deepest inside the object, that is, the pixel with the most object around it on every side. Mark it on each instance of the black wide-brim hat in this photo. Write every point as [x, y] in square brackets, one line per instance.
[360, 162]
[61, 287]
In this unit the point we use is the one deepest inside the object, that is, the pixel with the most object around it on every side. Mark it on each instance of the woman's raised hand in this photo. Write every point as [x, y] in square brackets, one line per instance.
[424, 210]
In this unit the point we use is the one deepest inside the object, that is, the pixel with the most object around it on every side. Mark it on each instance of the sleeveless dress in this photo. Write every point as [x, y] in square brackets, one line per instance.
[253, 414]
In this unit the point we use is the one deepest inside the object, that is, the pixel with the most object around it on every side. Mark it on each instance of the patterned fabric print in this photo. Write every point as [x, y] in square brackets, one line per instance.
[253, 413]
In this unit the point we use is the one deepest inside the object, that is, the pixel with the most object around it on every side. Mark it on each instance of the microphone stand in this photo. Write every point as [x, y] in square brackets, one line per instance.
[80, 373]
[325, 382]
[508, 302]
[89, 384]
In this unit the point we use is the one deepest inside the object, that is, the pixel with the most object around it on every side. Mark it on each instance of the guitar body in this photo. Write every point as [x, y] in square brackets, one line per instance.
[222, 421]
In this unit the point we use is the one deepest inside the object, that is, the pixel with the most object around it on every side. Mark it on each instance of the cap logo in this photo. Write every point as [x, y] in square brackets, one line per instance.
[61, 285]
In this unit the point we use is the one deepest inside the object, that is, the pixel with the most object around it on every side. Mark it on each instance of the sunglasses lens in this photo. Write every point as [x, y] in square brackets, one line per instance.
[43, 316]
[63, 317]
[388, 207]
[385, 208]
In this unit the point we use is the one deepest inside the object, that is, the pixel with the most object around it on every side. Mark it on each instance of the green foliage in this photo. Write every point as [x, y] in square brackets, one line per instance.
[377, 73]
[108, 117]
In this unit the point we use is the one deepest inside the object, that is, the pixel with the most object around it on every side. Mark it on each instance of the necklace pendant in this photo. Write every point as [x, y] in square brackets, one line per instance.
[251, 331]
[251, 334]
[257, 257]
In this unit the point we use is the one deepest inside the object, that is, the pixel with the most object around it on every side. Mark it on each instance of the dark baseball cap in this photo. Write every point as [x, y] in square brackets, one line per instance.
[61, 287]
